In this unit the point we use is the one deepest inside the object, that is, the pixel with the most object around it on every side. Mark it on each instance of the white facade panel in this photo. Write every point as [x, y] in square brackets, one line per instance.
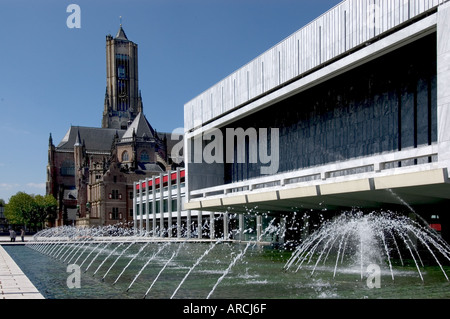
[343, 28]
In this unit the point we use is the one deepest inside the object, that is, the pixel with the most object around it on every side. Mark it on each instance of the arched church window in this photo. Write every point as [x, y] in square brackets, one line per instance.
[144, 157]
[125, 157]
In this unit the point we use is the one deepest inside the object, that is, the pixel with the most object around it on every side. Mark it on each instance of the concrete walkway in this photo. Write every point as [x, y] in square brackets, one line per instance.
[13, 282]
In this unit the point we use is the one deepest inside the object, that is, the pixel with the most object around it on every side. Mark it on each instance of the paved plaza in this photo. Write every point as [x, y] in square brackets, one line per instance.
[14, 284]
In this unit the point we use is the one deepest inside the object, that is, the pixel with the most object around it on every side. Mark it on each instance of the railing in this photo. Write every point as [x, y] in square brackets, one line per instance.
[426, 155]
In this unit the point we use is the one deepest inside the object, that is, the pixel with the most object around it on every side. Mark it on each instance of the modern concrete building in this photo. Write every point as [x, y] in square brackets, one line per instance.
[352, 110]
[159, 210]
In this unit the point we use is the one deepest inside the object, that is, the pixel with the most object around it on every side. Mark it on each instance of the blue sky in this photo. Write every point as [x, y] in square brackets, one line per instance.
[53, 77]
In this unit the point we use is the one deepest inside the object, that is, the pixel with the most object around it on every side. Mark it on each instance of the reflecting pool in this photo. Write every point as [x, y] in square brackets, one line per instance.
[225, 270]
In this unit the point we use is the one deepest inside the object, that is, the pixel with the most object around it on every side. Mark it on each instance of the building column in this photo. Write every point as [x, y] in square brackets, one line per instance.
[161, 205]
[281, 238]
[154, 206]
[141, 208]
[134, 207]
[258, 228]
[188, 224]
[225, 226]
[241, 227]
[200, 224]
[169, 204]
[212, 234]
[147, 205]
[443, 81]
[178, 203]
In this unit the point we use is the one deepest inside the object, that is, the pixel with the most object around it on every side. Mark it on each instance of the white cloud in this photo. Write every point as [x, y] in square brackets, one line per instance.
[36, 185]
[10, 189]
[8, 186]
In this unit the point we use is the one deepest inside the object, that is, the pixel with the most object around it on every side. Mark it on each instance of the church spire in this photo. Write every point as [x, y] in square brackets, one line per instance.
[123, 100]
[121, 33]
[50, 140]
[78, 140]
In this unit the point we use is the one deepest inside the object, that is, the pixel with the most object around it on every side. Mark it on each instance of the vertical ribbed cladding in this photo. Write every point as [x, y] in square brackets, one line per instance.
[343, 28]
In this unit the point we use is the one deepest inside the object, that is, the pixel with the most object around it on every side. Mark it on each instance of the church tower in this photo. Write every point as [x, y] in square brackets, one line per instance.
[123, 101]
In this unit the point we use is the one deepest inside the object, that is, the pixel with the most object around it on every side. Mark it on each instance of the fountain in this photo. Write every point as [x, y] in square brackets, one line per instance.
[370, 239]
[332, 262]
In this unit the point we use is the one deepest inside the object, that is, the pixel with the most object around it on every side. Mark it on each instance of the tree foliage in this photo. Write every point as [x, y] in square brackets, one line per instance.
[45, 208]
[30, 210]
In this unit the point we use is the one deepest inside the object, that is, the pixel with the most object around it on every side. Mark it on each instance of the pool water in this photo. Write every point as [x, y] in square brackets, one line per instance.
[216, 271]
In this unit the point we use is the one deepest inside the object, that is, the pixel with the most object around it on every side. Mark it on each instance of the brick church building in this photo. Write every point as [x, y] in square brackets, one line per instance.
[92, 170]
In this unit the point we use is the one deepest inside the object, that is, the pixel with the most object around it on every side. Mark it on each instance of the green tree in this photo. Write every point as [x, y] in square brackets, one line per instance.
[2, 205]
[30, 210]
[19, 209]
[45, 209]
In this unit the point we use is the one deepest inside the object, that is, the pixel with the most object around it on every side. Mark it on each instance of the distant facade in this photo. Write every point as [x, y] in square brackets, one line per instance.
[92, 170]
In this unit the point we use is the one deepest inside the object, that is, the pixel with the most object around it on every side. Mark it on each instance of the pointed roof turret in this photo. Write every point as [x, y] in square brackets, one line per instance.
[121, 34]
[78, 140]
[139, 127]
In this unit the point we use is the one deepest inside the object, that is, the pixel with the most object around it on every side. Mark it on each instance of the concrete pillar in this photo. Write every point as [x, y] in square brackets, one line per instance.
[134, 207]
[141, 208]
[188, 224]
[169, 204]
[212, 234]
[225, 226]
[178, 203]
[200, 224]
[282, 230]
[154, 206]
[258, 227]
[241, 227]
[443, 81]
[147, 205]
[161, 205]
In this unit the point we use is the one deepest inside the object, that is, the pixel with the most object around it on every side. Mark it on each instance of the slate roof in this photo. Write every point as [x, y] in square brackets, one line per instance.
[121, 34]
[141, 127]
[94, 139]
[149, 167]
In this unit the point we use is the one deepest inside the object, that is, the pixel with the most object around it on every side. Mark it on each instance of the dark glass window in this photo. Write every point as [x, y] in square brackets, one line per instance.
[144, 157]
[68, 168]
[386, 105]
